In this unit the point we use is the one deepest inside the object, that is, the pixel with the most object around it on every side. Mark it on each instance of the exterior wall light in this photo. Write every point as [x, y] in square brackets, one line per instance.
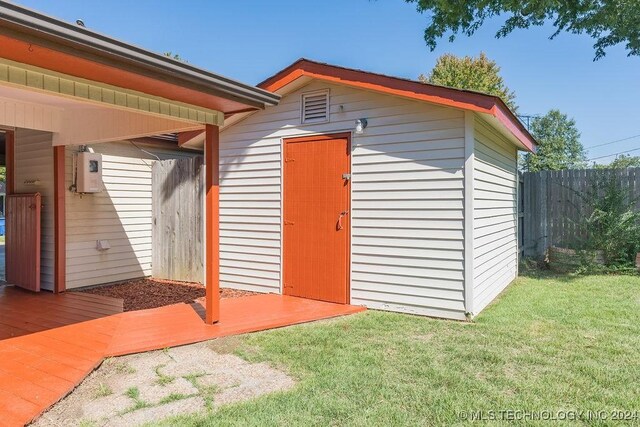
[361, 124]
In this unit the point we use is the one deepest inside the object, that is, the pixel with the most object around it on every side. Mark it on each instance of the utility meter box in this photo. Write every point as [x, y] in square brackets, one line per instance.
[89, 177]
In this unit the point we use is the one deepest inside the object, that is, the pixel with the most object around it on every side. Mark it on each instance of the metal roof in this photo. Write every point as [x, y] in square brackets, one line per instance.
[30, 21]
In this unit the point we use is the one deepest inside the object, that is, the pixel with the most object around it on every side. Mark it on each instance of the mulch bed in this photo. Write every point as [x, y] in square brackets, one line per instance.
[141, 294]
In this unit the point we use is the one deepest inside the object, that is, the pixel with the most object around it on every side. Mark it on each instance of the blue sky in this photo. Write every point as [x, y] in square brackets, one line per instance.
[250, 40]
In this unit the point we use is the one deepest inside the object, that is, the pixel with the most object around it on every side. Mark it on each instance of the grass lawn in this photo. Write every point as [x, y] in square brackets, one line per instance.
[548, 344]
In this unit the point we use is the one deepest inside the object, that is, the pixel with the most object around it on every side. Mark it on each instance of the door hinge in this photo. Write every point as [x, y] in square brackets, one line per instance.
[288, 222]
[289, 159]
[346, 176]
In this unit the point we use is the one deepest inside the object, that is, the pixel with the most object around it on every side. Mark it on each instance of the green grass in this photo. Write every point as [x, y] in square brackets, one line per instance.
[193, 379]
[173, 397]
[207, 392]
[163, 379]
[119, 367]
[134, 394]
[103, 390]
[549, 343]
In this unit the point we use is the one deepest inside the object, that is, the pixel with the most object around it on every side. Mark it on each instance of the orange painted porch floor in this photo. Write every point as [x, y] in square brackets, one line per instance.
[38, 369]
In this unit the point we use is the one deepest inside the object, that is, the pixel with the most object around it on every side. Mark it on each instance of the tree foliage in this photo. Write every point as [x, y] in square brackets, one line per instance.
[479, 74]
[621, 162]
[175, 56]
[611, 221]
[609, 22]
[559, 145]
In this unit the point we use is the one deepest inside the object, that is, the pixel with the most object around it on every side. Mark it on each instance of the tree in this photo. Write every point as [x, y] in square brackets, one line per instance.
[621, 162]
[609, 22]
[175, 56]
[480, 74]
[559, 144]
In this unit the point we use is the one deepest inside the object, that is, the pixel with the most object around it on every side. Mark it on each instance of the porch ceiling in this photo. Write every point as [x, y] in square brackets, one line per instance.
[76, 121]
[51, 82]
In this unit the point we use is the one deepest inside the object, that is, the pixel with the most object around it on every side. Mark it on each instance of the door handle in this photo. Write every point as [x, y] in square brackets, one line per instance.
[342, 215]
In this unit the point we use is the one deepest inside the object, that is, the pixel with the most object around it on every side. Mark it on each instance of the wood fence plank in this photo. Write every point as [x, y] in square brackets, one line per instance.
[554, 208]
[178, 191]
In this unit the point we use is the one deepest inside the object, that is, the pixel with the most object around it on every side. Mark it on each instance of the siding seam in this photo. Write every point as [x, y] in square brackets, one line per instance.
[469, 152]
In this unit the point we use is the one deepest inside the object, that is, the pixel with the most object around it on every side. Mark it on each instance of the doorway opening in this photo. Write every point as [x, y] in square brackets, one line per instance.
[20, 223]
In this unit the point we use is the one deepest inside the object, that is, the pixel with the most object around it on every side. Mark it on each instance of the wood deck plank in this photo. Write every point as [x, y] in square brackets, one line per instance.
[46, 380]
[45, 365]
[66, 303]
[24, 312]
[13, 409]
[114, 303]
[25, 389]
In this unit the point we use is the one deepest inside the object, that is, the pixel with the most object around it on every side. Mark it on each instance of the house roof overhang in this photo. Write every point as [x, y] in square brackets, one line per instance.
[33, 39]
[26, 77]
[492, 107]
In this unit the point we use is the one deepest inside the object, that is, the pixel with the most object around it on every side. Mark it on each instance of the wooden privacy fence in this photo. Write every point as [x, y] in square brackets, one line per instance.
[553, 204]
[178, 220]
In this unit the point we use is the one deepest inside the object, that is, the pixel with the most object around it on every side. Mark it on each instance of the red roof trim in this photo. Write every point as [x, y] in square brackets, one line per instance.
[441, 95]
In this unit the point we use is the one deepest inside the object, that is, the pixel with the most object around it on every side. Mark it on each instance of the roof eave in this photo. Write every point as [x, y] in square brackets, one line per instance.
[43, 26]
[456, 98]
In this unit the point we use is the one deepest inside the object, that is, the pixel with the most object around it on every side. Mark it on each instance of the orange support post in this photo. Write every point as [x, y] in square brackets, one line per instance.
[212, 229]
[9, 156]
[59, 220]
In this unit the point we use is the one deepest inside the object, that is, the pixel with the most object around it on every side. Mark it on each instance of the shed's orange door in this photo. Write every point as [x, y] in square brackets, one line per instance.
[23, 240]
[316, 218]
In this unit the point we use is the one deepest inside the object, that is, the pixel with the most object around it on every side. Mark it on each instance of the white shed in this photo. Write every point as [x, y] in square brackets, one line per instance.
[371, 190]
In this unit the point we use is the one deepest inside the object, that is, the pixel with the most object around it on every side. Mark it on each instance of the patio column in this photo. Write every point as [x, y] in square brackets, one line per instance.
[9, 161]
[212, 228]
[59, 220]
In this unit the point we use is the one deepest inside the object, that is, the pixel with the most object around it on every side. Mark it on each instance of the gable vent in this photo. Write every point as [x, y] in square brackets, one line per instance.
[315, 107]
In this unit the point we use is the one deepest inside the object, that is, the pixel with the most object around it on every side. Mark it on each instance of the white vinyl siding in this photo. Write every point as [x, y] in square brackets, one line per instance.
[121, 214]
[34, 162]
[495, 214]
[407, 199]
